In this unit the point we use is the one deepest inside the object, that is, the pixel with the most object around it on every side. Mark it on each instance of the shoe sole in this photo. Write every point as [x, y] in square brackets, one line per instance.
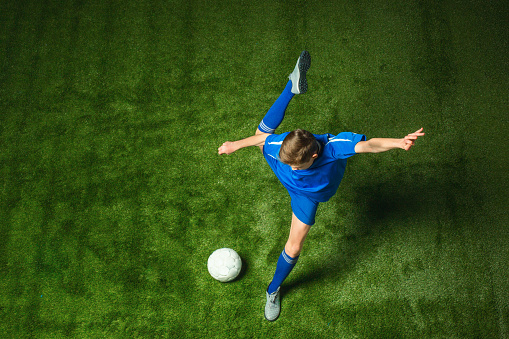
[304, 64]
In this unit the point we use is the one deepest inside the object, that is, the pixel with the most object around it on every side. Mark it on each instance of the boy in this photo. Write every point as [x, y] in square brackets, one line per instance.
[309, 166]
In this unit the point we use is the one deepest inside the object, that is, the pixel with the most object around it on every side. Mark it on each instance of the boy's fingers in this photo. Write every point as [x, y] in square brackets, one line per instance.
[414, 135]
[418, 132]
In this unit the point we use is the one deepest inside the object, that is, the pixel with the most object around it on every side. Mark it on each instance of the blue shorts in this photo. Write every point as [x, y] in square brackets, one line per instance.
[303, 207]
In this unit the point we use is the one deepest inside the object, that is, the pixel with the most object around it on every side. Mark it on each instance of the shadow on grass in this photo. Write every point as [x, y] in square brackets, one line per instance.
[432, 195]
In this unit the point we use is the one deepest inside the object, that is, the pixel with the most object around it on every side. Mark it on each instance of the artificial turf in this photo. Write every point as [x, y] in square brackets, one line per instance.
[112, 194]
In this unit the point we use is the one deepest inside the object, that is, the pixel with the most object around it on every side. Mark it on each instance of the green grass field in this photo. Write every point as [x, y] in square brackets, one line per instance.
[112, 195]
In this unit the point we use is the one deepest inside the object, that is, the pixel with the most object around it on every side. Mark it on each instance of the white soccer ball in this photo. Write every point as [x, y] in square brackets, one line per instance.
[224, 264]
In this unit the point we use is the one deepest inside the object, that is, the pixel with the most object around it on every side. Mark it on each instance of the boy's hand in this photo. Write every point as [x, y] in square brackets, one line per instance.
[227, 148]
[409, 140]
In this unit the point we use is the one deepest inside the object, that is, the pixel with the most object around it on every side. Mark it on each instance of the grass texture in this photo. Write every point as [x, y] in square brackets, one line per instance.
[112, 194]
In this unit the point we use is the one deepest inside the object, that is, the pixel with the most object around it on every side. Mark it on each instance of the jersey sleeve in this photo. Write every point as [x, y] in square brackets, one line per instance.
[273, 144]
[343, 144]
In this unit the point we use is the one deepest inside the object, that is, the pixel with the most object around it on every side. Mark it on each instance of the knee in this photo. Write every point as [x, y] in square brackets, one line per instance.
[293, 249]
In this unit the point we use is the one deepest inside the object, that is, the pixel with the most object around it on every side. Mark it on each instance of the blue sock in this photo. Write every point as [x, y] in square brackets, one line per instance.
[276, 113]
[284, 266]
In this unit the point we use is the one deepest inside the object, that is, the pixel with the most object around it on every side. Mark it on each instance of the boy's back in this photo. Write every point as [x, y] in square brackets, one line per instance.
[320, 181]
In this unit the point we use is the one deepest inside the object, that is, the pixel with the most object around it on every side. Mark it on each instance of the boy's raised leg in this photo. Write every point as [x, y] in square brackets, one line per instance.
[296, 85]
[276, 113]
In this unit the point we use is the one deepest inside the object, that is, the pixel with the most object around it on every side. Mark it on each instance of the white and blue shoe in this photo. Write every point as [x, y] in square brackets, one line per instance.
[298, 76]
[273, 305]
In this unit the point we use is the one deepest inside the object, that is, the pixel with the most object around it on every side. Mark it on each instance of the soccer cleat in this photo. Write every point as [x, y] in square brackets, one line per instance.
[298, 76]
[273, 305]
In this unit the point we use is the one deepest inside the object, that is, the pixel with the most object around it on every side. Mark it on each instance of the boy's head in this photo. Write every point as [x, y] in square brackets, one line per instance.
[299, 149]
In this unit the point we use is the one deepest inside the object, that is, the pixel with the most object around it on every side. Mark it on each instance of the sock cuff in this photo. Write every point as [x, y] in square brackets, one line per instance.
[266, 129]
[288, 259]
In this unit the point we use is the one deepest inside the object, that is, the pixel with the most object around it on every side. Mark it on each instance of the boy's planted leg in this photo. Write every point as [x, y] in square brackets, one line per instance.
[286, 262]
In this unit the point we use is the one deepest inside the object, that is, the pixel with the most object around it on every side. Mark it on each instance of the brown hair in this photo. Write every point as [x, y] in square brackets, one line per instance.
[298, 148]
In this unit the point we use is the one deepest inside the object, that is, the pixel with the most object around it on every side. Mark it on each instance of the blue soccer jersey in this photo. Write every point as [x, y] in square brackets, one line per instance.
[319, 182]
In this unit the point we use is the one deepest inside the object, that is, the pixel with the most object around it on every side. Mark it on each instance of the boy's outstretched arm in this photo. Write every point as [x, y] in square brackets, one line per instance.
[377, 145]
[231, 146]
